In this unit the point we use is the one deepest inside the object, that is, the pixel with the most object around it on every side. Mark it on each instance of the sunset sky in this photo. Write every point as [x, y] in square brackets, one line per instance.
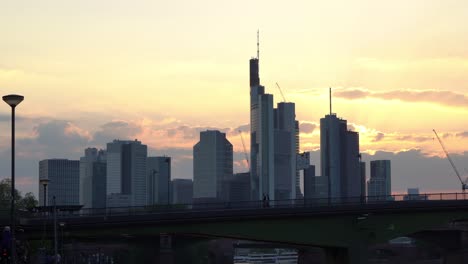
[162, 71]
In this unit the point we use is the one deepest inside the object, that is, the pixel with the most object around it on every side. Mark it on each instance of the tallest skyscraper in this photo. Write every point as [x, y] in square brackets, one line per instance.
[261, 136]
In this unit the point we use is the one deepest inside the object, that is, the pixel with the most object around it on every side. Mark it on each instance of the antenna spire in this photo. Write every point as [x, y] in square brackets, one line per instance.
[258, 44]
[330, 102]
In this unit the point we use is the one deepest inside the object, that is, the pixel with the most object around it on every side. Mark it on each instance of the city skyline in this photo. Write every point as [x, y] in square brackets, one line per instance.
[394, 69]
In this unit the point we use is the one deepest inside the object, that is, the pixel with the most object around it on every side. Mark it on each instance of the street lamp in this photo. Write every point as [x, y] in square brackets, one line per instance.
[13, 100]
[44, 183]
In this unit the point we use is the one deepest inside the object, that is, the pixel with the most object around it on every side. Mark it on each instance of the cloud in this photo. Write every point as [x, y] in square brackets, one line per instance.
[441, 97]
[243, 128]
[463, 134]
[116, 130]
[56, 137]
[378, 137]
[307, 128]
[414, 138]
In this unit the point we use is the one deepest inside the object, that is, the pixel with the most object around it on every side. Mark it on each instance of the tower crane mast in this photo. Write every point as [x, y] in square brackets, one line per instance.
[279, 88]
[245, 151]
[464, 185]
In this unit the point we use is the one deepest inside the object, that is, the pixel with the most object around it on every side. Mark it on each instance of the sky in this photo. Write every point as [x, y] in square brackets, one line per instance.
[162, 71]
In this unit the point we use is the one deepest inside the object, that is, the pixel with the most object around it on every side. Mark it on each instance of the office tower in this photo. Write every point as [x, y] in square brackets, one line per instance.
[64, 181]
[238, 188]
[158, 172]
[299, 195]
[262, 180]
[285, 151]
[379, 185]
[93, 168]
[315, 187]
[413, 194]
[212, 166]
[363, 179]
[126, 173]
[339, 157]
[182, 191]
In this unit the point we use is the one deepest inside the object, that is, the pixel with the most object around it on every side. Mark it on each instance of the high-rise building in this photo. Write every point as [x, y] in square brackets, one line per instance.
[238, 188]
[299, 194]
[363, 179]
[285, 151]
[64, 181]
[182, 191]
[126, 173]
[262, 178]
[339, 153]
[315, 187]
[379, 186]
[212, 166]
[93, 176]
[158, 172]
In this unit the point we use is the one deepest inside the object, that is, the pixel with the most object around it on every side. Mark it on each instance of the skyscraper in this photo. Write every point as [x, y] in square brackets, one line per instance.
[158, 171]
[285, 151]
[126, 173]
[182, 191]
[379, 186]
[64, 181]
[339, 156]
[262, 178]
[93, 176]
[212, 166]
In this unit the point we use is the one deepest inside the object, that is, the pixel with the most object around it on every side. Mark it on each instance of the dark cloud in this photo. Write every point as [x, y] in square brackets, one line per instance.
[59, 133]
[244, 128]
[307, 127]
[351, 127]
[440, 97]
[378, 137]
[116, 130]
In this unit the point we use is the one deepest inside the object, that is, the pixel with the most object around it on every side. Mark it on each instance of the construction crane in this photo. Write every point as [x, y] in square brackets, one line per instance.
[245, 151]
[279, 88]
[464, 185]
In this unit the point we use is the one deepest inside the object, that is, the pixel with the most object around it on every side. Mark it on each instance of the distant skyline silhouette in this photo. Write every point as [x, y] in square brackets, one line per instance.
[162, 72]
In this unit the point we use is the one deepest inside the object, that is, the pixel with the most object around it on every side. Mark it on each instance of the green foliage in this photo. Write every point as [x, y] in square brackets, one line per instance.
[26, 202]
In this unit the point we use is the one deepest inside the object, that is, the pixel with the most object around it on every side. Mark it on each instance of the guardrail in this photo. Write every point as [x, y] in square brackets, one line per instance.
[39, 212]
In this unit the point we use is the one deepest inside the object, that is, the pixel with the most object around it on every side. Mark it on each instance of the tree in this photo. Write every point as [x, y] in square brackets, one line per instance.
[26, 202]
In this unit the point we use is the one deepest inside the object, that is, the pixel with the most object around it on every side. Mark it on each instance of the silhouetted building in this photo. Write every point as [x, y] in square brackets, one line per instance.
[262, 176]
[93, 175]
[212, 166]
[182, 191]
[238, 187]
[413, 194]
[339, 152]
[64, 181]
[363, 179]
[315, 187]
[126, 173]
[298, 170]
[379, 186]
[285, 149]
[158, 172]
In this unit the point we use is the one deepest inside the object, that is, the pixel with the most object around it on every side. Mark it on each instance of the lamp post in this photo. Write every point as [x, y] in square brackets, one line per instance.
[44, 183]
[13, 100]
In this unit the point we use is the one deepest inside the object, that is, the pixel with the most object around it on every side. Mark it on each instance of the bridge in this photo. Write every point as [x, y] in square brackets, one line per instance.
[344, 228]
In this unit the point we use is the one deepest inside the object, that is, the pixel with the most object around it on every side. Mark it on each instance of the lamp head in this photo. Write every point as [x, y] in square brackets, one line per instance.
[13, 99]
[44, 181]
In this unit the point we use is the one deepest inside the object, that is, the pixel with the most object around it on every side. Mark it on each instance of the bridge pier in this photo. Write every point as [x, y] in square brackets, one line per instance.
[166, 252]
[356, 254]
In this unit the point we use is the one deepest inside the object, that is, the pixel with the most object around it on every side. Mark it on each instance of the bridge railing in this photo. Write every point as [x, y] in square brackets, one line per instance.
[254, 205]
